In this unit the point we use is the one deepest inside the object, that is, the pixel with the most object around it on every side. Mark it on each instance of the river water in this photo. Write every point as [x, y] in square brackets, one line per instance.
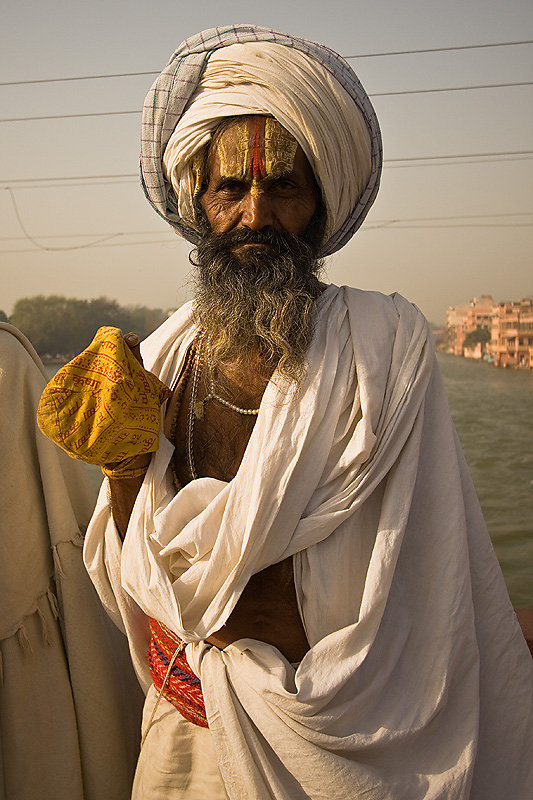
[493, 413]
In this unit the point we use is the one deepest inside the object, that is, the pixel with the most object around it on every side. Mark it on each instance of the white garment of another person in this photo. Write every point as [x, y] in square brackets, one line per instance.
[418, 682]
[70, 704]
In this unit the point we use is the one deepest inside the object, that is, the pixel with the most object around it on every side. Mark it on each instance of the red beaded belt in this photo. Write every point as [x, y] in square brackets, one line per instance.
[182, 687]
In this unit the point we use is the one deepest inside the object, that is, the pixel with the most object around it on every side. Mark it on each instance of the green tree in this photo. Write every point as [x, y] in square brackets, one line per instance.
[481, 334]
[145, 320]
[63, 326]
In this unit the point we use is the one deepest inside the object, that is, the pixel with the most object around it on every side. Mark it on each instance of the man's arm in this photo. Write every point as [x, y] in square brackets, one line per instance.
[123, 491]
[122, 495]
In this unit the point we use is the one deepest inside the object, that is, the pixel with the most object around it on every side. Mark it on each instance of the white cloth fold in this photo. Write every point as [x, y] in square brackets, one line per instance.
[359, 477]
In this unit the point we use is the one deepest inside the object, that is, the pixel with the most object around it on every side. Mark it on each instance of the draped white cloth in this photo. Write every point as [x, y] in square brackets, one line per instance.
[418, 683]
[304, 96]
[70, 706]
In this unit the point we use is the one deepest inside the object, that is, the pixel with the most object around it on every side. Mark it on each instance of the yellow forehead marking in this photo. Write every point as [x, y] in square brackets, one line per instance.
[198, 169]
[280, 149]
[260, 150]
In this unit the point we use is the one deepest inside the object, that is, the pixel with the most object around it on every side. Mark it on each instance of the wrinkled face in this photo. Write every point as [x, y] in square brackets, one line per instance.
[259, 178]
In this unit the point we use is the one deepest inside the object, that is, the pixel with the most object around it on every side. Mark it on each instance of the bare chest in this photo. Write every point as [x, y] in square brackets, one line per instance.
[209, 437]
[210, 440]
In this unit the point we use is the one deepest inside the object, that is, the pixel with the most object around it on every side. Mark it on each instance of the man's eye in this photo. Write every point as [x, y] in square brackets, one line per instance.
[231, 186]
[284, 184]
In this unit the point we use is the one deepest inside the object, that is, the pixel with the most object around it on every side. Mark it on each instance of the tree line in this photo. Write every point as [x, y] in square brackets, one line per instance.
[61, 327]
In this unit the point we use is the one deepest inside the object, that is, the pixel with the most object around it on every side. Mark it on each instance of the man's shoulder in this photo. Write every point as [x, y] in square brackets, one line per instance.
[394, 301]
[16, 351]
[166, 337]
[377, 323]
[367, 304]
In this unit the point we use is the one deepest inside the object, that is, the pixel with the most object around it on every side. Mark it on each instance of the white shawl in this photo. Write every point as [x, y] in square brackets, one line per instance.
[70, 706]
[405, 692]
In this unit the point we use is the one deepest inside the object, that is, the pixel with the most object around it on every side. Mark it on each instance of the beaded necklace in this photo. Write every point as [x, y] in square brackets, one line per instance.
[178, 396]
[197, 407]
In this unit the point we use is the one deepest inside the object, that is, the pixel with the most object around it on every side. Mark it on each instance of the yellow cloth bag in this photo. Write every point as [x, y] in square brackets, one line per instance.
[103, 407]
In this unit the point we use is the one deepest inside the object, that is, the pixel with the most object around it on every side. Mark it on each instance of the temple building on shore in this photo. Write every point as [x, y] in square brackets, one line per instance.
[502, 333]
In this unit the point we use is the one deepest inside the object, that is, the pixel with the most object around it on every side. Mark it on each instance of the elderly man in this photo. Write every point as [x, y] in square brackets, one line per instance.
[301, 566]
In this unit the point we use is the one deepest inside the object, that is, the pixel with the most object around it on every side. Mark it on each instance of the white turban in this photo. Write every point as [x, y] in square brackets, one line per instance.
[270, 78]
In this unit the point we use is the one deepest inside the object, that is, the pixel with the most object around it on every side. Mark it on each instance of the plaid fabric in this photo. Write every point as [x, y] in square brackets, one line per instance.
[168, 97]
[182, 688]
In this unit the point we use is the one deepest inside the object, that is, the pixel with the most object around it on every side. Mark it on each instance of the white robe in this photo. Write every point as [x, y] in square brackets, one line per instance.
[70, 705]
[418, 683]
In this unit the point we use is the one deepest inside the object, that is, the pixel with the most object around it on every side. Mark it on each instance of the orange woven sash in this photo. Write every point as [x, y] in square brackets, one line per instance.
[182, 688]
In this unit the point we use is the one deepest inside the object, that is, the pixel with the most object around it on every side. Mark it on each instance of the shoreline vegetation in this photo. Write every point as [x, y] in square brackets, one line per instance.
[61, 327]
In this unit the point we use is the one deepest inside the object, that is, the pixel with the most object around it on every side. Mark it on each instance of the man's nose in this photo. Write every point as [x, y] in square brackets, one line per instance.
[256, 210]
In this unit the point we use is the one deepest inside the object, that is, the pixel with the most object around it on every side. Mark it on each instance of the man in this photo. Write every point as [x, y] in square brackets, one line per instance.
[303, 557]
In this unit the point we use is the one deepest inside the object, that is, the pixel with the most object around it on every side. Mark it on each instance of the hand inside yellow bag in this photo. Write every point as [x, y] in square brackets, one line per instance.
[103, 407]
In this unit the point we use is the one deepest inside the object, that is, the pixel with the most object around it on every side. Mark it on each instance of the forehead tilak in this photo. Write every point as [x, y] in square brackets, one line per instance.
[258, 148]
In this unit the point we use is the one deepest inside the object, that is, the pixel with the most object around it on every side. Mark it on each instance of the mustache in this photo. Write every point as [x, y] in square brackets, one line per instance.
[281, 242]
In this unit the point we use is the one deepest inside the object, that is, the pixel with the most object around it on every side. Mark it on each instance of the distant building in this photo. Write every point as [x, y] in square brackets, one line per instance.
[464, 319]
[511, 343]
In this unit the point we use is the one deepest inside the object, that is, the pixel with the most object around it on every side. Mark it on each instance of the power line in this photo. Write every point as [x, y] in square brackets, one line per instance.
[445, 226]
[95, 246]
[439, 49]
[457, 163]
[98, 246]
[373, 222]
[452, 89]
[454, 221]
[453, 217]
[77, 78]
[374, 94]
[360, 55]
[96, 180]
[133, 179]
[70, 116]
[72, 178]
[89, 235]
[463, 155]
[38, 245]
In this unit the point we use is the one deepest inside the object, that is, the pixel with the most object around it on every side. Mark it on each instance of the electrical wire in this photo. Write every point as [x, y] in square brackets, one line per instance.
[399, 93]
[439, 49]
[452, 89]
[88, 235]
[374, 222]
[495, 154]
[104, 180]
[393, 226]
[44, 247]
[360, 55]
[71, 116]
[454, 221]
[96, 246]
[73, 178]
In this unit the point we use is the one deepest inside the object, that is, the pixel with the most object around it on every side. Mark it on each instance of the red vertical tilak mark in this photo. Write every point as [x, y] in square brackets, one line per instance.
[258, 168]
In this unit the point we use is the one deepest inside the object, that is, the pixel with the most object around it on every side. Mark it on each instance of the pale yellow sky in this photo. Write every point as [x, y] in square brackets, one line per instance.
[440, 232]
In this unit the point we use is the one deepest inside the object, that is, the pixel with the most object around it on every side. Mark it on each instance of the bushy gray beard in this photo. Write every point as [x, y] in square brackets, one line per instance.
[259, 301]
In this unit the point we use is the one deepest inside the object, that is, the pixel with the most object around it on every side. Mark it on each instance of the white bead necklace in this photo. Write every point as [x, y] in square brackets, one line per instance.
[197, 407]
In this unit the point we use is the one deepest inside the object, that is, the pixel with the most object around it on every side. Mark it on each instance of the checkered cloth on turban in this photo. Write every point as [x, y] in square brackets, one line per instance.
[172, 92]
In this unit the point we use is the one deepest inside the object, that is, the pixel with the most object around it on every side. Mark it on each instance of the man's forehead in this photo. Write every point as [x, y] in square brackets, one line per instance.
[254, 148]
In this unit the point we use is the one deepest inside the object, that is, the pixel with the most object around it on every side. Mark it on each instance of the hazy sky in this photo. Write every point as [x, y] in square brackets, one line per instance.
[440, 231]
